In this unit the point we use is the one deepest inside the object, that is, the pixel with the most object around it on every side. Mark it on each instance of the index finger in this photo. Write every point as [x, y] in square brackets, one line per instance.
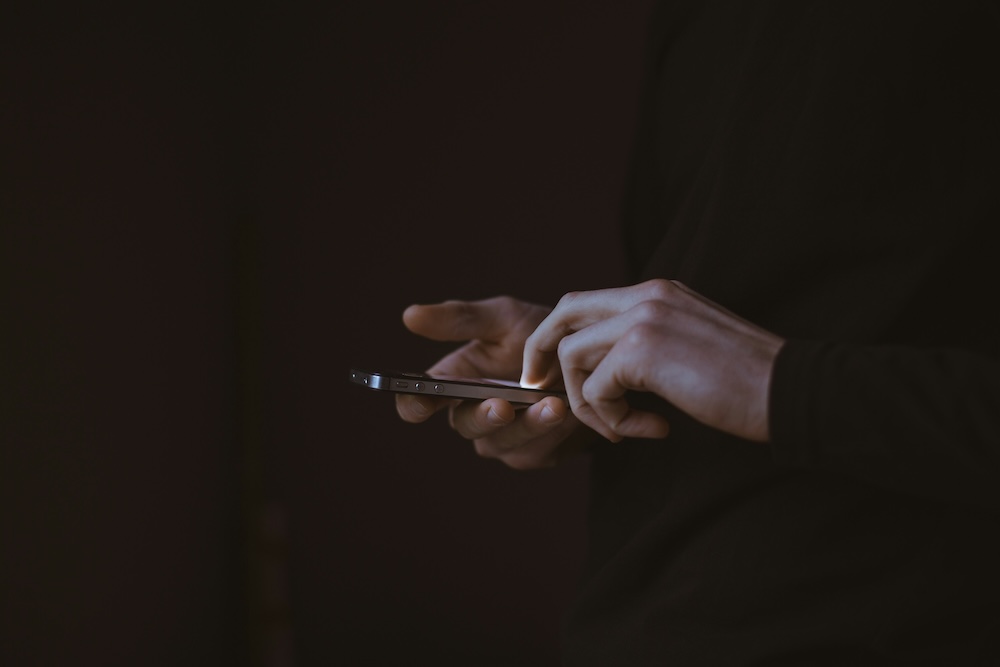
[575, 311]
[578, 310]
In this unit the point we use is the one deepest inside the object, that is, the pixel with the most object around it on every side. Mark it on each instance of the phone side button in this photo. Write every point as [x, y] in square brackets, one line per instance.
[438, 389]
[400, 384]
[419, 386]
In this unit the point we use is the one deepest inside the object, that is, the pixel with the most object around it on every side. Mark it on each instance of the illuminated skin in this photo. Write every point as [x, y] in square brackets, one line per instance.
[494, 332]
[657, 336]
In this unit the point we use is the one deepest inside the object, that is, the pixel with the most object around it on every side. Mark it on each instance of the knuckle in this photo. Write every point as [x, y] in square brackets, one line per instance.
[584, 410]
[589, 396]
[568, 299]
[598, 414]
[660, 289]
[639, 335]
[565, 350]
[651, 310]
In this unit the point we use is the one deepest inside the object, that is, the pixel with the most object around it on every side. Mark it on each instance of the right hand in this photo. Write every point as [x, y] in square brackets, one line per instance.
[494, 331]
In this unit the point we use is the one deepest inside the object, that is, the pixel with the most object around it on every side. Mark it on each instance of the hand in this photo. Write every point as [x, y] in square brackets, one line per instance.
[494, 332]
[659, 337]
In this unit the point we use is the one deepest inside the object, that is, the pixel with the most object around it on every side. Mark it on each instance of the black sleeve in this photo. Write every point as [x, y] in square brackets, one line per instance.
[918, 421]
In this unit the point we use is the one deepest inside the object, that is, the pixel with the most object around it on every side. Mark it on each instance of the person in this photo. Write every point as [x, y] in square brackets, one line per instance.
[792, 404]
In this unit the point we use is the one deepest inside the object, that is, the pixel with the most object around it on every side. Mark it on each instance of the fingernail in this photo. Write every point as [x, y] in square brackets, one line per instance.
[549, 416]
[525, 381]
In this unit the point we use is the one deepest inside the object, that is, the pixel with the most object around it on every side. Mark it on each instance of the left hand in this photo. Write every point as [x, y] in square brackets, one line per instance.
[493, 332]
[661, 337]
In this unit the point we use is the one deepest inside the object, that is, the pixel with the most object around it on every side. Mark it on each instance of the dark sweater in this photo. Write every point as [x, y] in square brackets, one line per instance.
[829, 171]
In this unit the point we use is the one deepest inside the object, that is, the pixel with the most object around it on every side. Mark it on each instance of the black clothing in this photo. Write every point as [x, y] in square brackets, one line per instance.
[826, 170]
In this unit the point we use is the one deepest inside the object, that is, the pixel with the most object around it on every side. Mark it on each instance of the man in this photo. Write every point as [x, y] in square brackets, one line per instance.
[793, 407]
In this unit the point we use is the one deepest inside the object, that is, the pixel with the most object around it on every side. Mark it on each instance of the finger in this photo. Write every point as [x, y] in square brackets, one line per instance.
[575, 380]
[478, 419]
[504, 427]
[586, 414]
[574, 312]
[534, 439]
[417, 409]
[586, 348]
[540, 370]
[604, 397]
[582, 352]
[488, 319]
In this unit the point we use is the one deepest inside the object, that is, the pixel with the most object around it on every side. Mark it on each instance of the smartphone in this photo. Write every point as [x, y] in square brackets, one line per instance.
[448, 386]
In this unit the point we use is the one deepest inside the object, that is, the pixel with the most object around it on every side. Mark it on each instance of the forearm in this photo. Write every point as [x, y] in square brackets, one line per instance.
[918, 421]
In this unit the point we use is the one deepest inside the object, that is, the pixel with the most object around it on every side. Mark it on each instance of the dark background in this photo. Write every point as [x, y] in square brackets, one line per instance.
[209, 213]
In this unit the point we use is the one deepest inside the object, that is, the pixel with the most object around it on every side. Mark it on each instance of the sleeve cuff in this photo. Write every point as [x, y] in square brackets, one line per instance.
[792, 402]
